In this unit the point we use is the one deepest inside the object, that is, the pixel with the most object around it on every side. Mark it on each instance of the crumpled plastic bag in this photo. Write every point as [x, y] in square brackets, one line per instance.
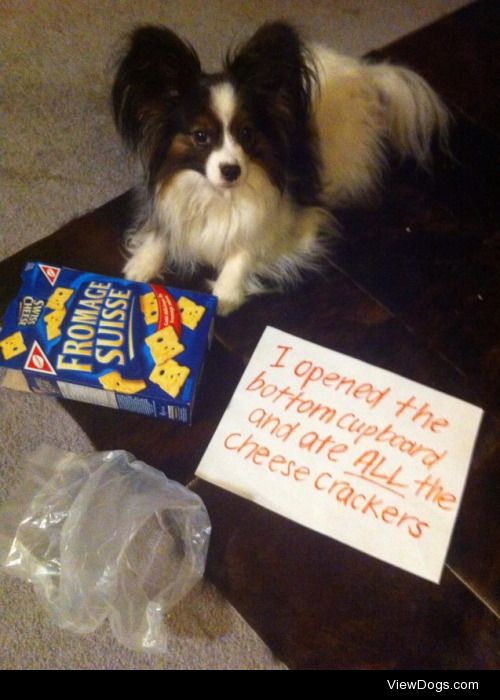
[104, 536]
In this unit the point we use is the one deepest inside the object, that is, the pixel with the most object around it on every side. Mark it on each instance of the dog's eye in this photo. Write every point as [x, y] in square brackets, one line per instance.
[200, 137]
[247, 135]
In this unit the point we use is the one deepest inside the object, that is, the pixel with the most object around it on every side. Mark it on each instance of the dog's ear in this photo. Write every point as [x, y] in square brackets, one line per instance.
[275, 70]
[158, 69]
[272, 64]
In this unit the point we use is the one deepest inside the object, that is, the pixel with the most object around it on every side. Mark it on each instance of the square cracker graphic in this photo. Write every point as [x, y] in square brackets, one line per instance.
[149, 307]
[113, 381]
[53, 322]
[58, 298]
[191, 313]
[12, 345]
[170, 377]
[164, 345]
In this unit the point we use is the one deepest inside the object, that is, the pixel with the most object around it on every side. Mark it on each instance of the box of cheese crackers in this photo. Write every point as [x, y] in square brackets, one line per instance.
[107, 341]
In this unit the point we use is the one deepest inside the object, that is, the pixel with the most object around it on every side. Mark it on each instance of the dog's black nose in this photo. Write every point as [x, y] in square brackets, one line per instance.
[230, 172]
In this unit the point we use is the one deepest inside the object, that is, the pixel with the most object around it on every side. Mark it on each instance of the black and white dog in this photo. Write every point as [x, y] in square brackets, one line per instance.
[243, 167]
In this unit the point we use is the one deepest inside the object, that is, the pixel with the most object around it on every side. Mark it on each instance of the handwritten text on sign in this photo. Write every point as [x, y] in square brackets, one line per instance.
[358, 453]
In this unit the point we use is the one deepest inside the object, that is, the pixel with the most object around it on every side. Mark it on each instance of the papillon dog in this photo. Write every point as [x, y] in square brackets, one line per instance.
[243, 167]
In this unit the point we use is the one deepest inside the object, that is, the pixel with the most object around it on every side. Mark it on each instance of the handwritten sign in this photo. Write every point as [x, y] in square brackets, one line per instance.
[352, 451]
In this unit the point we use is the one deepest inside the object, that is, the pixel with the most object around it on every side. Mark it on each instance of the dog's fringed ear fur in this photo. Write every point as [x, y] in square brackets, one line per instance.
[272, 63]
[156, 72]
[274, 67]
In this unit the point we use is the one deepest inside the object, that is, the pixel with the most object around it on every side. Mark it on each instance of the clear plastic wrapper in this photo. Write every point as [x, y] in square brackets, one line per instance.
[104, 536]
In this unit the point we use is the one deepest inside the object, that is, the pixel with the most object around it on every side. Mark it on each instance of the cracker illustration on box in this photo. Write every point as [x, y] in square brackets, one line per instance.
[58, 298]
[170, 377]
[113, 381]
[191, 313]
[53, 322]
[164, 345]
[149, 307]
[12, 345]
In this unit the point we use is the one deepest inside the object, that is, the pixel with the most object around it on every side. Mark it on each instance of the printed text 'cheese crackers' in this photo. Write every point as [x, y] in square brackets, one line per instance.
[191, 313]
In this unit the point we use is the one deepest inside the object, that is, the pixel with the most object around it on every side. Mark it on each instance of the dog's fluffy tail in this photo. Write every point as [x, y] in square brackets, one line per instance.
[362, 110]
[414, 111]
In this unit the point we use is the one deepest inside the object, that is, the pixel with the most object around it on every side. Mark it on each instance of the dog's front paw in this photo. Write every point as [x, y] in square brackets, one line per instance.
[142, 267]
[228, 299]
[227, 306]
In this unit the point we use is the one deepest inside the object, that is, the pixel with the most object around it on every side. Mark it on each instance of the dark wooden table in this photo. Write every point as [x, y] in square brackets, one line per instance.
[414, 288]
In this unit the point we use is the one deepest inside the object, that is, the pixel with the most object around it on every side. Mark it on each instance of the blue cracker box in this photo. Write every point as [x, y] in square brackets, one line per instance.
[107, 341]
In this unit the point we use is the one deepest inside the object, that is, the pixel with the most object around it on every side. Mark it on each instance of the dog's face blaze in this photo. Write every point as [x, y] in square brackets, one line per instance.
[216, 135]
[210, 137]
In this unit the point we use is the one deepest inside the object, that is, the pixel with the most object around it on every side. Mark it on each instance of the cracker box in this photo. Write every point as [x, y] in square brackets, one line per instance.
[107, 341]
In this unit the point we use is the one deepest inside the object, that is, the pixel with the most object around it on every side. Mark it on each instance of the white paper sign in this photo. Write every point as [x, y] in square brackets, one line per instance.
[357, 453]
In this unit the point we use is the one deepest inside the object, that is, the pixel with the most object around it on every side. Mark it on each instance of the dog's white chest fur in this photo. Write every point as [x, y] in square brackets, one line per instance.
[243, 233]
[203, 224]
